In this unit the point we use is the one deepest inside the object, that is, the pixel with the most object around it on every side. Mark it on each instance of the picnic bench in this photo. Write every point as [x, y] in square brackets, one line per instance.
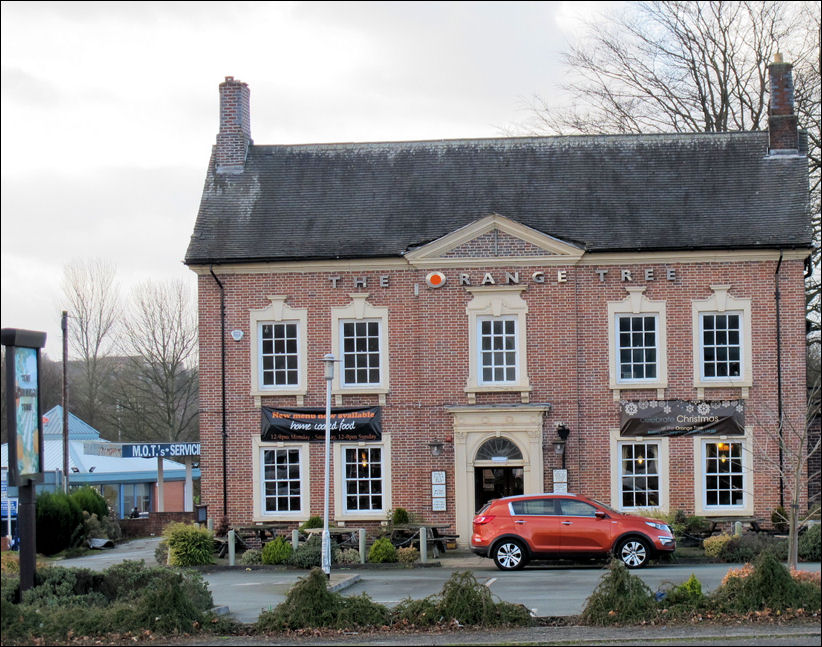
[752, 523]
[340, 537]
[437, 537]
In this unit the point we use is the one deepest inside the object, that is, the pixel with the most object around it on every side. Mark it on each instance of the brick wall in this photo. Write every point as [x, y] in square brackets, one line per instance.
[568, 365]
[154, 524]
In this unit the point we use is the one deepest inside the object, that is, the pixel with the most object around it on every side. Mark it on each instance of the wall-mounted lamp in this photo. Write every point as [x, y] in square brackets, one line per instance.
[92, 468]
[436, 447]
[559, 445]
[74, 468]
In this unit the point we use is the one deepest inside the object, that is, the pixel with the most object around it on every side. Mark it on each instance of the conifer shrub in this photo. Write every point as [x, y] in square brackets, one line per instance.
[463, 600]
[408, 555]
[746, 548]
[620, 598]
[128, 597]
[713, 545]
[309, 604]
[188, 545]
[251, 557]
[59, 522]
[400, 517]
[91, 501]
[312, 522]
[810, 544]
[309, 554]
[277, 551]
[768, 586]
[348, 557]
[382, 551]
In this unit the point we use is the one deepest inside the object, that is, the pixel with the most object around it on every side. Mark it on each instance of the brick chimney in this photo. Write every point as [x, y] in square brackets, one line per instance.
[234, 137]
[782, 123]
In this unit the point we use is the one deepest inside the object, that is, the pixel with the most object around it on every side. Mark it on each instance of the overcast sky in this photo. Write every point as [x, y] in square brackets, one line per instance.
[109, 111]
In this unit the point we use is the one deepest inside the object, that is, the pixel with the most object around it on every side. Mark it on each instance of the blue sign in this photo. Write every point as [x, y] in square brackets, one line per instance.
[4, 507]
[160, 450]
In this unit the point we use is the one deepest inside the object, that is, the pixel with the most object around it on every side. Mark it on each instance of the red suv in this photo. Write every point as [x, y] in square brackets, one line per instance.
[514, 530]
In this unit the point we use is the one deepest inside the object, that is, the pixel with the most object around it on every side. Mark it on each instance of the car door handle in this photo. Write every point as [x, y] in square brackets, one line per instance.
[519, 520]
[567, 523]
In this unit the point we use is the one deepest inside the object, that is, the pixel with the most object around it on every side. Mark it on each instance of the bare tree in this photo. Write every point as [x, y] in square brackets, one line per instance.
[157, 391]
[683, 66]
[788, 451]
[93, 305]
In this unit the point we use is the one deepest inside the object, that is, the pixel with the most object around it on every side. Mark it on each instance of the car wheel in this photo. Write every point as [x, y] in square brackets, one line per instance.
[634, 552]
[509, 555]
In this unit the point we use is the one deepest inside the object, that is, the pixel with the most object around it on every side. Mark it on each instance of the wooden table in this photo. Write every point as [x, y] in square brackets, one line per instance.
[341, 537]
[409, 535]
[265, 531]
[751, 521]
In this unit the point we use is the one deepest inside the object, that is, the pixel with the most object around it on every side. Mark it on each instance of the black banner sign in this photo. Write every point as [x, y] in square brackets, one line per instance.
[682, 418]
[308, 424]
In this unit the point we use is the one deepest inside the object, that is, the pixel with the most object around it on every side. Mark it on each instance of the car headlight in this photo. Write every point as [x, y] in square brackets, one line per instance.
[658, 526]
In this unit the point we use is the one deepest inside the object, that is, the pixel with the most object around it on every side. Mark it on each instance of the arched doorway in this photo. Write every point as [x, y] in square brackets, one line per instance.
[474, 426]
[498, 471]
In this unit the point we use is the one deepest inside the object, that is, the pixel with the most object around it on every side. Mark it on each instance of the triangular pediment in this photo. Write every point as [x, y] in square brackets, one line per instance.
[494, 240]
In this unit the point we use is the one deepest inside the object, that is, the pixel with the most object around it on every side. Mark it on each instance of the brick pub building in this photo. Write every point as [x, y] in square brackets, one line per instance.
[618, 316]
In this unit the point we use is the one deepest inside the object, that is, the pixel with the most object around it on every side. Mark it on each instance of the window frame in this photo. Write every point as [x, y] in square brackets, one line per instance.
[341, 511]
[618, 332]
[278, 312]
[700, 476]
[497, 302]
[623, 475]
[663, 444]
[637, 304]
[358, 310]
[722, 303]
[359, 385]
[258, 447]
[480, 320]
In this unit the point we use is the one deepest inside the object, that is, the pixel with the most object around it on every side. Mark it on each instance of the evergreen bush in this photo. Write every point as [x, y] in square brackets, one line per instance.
[400, 517]
[620, 597]
[713, 545]
[309, 554]
[382, 551]
[129, 597]
[90, 501]
[810, 545]
[779, 519]
[277, 551]
[309, 604]
[746, 548]
[188, 545]
[408, 555]
[769, 586]
[251, 557]
[59, 522]
[312, 522]
[348, 557]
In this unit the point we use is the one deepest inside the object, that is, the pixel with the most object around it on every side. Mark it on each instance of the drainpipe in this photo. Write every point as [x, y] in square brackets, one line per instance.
[222, 379]
[777, 296]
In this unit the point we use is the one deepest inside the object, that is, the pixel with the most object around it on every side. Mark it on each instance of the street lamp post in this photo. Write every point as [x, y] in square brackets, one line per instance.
[328, 362]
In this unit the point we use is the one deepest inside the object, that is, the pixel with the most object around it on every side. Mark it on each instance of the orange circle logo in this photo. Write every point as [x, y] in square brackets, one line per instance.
[435, 279]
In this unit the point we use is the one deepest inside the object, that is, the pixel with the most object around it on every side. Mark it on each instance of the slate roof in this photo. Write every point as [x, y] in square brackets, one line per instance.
[605, 193]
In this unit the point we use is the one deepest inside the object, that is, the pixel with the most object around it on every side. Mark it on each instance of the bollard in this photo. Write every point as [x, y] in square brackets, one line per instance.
[362, 545]
[231, 548]
[295, 539]
[737, 528]
[423, 545]
[210, 524]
